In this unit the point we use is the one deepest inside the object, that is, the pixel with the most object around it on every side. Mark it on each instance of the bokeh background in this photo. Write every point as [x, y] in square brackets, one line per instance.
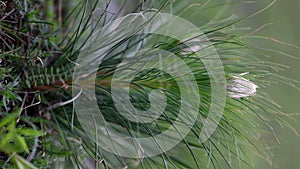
[283, 19]
[279, 29]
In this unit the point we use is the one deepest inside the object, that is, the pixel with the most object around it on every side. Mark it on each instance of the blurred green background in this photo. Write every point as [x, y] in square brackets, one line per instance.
[284, 20]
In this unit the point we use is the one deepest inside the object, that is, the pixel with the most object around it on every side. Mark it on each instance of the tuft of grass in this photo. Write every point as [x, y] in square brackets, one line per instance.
[40, 128]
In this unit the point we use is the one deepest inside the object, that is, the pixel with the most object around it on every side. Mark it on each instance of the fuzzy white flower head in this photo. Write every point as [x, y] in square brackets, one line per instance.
[240, 87]
[193, 46]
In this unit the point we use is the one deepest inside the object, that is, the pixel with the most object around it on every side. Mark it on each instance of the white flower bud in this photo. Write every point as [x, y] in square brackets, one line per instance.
[240, 87]
[192, 46]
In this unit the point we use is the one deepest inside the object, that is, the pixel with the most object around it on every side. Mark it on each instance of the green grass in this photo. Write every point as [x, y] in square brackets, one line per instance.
[40, 128]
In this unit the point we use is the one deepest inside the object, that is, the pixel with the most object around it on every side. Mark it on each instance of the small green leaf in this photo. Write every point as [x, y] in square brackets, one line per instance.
[12, 127]
[18, 163]
[9, 136]
[10, 149]
[6, 120]
[22, 163]
[20, 141]
[10, 118]
[30, 132]
[10, 95]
